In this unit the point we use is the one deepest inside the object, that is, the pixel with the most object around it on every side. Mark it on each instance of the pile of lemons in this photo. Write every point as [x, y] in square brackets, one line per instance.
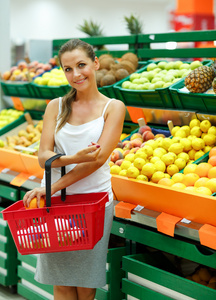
[166, 156]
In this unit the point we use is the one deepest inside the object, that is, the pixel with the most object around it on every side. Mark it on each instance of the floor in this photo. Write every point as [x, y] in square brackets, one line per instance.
[6, 294]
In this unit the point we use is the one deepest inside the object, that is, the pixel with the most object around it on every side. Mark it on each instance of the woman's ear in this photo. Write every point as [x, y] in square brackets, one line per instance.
[97, 64]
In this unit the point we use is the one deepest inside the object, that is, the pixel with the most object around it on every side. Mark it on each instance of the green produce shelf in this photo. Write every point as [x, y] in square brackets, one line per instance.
[49, 92]
[12, 125]
[18, 89]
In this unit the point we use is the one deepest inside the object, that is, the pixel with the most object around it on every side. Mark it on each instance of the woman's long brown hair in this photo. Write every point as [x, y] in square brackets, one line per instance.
[71, 95]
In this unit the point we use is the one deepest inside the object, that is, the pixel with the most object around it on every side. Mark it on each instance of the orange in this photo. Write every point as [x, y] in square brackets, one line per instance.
[179, 185]
[190, 179]
[190, 189]
[212, 173]
[178, 177]
[33, 203]
[211, 184]
[202, 169]
[212, 152]
[204, 191]
[166, 181]
[190, 168]
[201, 181]
[212, 160]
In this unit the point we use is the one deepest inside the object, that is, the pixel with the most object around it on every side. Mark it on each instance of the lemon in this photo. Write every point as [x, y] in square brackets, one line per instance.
[154, 159]
[209, 139]
[180, 163]
[166, 175]
[166, 143]
[123, 136]
[176, 139]
[204, 191]
[179, 186]
[172, 169]
[139, 163]
[198, 144]
[160, 165]
[180, 133]
[186, 129]
[159, 141]
[115, 169]
[184, 155]
[130, 157]
[168, 159]
[148, 150]
[158, 152]
[174, 130]
[123, 173]
[190, 168]
[173, 154]
[140, 154]
[132, 172]
[207, 148]
[151, 143]
[212, 130]
[191, 137]
[157, 176]
[142, 177]
[196, 131]
[198, 154]
[194, 122]
[111, 163]
[186, 143]
[192, 153]
[125, 164]
[178, 177]
[205, 125]
[148, 170]
[176, 148]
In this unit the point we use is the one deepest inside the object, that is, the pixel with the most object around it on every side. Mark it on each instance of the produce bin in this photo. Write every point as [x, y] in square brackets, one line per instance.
[49, 92]
[12, 125]
[18, 89]
[149, 278]
[199, 102]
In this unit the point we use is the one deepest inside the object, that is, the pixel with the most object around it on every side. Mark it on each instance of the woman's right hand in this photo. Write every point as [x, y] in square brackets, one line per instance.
[87, 154]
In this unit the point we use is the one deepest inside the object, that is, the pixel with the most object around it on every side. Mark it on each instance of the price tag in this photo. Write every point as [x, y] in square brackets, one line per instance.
[186, 221]
[32, 177]
[20, 179]
[17, 103]
[5, 170]
[138, 208]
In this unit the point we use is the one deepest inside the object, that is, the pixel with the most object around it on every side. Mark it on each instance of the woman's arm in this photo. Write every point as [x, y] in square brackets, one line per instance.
[114, 120]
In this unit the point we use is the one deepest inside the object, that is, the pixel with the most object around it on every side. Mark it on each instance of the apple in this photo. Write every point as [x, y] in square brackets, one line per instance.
[184, 66]
[144, 128]
[146, 85]
[159, 84]
[151, 75]
[151, 66]
[134, 76]
[157, 70]
[169, 65]
[156, 79]
[177, 64]
[162, 64]
[151, 86]
[140, 80]
[195, 64]
[166, 84]
[168, 78]
[126, 84]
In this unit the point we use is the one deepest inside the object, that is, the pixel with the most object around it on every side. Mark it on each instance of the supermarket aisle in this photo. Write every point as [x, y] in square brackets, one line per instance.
[5, 294]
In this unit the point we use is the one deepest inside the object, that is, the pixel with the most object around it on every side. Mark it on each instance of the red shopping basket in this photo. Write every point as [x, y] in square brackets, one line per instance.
[75, 224]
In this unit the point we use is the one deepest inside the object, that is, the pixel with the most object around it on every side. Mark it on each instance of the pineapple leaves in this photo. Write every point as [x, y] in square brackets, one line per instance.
[91, 28]
[134, 25]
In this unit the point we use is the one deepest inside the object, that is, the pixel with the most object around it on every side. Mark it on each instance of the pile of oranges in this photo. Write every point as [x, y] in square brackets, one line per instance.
[198, 178]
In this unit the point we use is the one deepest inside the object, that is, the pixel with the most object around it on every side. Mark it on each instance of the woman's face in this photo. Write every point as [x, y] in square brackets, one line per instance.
[79, 69]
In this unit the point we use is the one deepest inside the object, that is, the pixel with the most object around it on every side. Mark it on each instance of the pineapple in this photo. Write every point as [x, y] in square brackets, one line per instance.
[214, 85]
[134, 25]
[200, 79]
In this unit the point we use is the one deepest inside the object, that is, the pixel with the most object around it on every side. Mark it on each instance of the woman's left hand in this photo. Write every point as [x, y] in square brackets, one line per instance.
[37, 192]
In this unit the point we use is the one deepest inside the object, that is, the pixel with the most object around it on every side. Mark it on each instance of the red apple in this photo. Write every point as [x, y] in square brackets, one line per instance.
[144, 128]
[148, 135]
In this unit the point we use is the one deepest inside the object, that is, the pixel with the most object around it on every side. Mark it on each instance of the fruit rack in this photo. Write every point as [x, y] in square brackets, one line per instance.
[126, 275]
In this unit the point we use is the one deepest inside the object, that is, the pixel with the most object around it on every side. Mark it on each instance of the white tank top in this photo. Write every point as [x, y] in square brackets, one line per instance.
[69, 140]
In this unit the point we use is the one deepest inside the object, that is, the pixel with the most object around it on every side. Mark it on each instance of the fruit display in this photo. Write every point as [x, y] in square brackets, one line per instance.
[8, 116]
[160, 74]
[172, 160]
[26, 71]
[24, 138]
[200, 79]
[55, 77]
[111, 71]
[204, 275]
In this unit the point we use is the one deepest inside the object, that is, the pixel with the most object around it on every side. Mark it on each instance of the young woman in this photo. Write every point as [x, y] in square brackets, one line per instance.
[86, 126]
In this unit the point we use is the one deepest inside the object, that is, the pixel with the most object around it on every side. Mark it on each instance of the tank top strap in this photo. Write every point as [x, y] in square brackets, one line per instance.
[60, 105]
[106, 106]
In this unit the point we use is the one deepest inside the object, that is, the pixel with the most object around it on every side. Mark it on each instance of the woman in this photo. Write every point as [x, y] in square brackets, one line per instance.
[86, 126]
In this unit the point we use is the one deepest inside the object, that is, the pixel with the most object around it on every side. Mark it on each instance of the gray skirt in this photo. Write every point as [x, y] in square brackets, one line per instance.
[84, 268]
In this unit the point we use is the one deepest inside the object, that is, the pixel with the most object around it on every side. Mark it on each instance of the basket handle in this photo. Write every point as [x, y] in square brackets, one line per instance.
[48, 179]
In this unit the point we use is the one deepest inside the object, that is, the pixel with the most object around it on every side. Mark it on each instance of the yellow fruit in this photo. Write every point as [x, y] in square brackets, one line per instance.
[191, 137]
[142, 177]
[198, 144]
[130, 157]
[140, 154]
[123, 136]
[209, 139]
[178, 177]
[207, 149]
[120, 149]
[191, 154]
[190, 189]
[204, 274]
[180, 133]
[123, 173]
[157, 176]
[179, 186]
[174, 130]
[191, 168]
[205, 125]
[201, 181]
[176, 139]
[158, 152]
[151, 143]
[166, 175]
[186, 143]
[148, 170]
[166, 181]
[166, 143]
[212, 130]
[194, 122]
[190, 179]
[111, 163]
[160, 165]
[203, 190]
[168, 159]
[198, 154]
[196, 131]
[186, 128]
[154, 159]
[184, 155]
[176, 148]
[125, 164]
[172, 169]
[115, 169]
[139, 163]
[148, 150]
[180, 163]
[132, 172]
[159, 141]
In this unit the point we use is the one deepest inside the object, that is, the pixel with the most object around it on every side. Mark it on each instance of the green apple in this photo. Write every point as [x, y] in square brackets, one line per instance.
[166, 84]
[151, 66]
[54, 82]
[169, 65]
[156, 79]
[133, 86]
[134, 76]
[162, 64]
[159, 84]
[168, 78]
[151, 75]
[157, 70]
[184, 66]
[195, 64]
[151, 86]
[176, 80]
[145, 86]
[177, 64]
[140, 80]
[126, 84]
[1, 143]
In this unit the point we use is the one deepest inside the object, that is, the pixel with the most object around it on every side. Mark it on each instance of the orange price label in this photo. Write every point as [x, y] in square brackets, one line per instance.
[47, 101]
[17, 103]
[19, 179]
[166, 223]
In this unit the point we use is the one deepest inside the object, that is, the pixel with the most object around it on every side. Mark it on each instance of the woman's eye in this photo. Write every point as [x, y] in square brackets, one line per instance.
[67, 69]
[81, 65]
